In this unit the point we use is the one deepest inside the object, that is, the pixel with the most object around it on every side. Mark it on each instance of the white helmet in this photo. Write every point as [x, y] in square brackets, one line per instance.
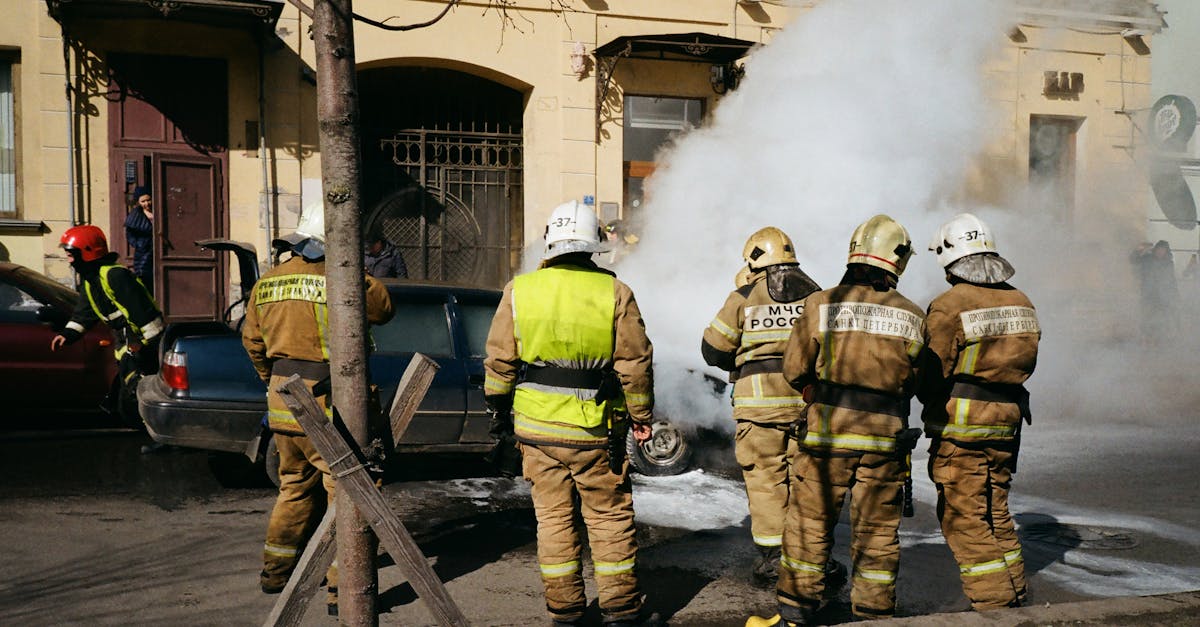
[572, 228]
[312, 229]
[966, 248]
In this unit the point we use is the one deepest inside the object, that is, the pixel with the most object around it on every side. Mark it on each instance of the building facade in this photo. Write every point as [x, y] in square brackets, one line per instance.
[473, 128]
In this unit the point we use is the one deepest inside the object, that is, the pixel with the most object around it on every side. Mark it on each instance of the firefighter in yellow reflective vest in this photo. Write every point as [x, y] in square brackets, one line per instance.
[984, 333]
[286, 332]
[746, 338]
[855, 351]
[567, 359]
[112, 293]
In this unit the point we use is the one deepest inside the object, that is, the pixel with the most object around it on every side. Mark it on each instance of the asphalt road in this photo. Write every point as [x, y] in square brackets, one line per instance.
[95, 532]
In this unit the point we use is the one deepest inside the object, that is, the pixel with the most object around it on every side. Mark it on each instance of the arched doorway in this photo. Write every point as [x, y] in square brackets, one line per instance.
[442, 156]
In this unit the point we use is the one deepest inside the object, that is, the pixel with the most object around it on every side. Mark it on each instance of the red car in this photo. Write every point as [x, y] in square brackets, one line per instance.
[78, 377]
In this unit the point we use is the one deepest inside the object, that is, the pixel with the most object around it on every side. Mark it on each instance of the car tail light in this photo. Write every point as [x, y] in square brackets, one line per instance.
[174, 370]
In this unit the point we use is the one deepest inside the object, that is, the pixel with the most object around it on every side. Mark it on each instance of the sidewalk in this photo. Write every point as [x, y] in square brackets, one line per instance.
[1180, 608]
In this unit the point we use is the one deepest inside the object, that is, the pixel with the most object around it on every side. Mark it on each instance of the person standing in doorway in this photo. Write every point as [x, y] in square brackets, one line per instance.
[383, 260]
[139, 232]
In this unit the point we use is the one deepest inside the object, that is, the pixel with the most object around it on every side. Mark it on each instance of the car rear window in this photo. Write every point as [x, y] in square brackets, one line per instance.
[416, 328]
[477, 321]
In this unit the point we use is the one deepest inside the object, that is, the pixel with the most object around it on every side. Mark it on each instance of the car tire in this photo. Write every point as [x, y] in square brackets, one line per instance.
[667, 452]
[271, 460]
[233, 470]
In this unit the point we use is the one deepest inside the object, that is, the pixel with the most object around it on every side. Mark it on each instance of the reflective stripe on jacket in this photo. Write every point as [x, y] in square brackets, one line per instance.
[755, 328]
[563, 318]
[287, 316]
[980, 334]
[142, 317]
[569, 314]
[856, 337]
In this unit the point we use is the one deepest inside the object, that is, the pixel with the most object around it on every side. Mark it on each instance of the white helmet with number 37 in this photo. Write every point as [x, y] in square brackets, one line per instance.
[572, 228]
[966, 248]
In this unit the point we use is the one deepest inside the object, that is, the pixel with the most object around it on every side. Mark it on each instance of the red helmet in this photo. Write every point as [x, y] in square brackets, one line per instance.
[87, 239]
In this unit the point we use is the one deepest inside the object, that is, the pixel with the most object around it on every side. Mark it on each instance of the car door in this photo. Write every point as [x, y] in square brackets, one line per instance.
[75, 377]
[472, 313]
[422, 325]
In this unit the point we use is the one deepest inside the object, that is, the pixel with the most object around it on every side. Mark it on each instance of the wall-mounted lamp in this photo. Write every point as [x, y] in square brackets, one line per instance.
[579, 60]
[726, 77]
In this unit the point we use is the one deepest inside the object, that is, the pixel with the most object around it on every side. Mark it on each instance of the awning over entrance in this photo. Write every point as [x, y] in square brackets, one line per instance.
[695, 47]
[684, 47]
[246, 14]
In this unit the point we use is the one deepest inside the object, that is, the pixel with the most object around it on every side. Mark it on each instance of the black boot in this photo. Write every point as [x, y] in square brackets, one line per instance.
[766, 568]
[836, 577]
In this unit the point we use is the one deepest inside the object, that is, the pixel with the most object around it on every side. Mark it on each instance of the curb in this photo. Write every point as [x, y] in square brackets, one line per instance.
[1180, 608]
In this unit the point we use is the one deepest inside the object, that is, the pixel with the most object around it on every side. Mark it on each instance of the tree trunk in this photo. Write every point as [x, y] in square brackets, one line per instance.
[341, 174]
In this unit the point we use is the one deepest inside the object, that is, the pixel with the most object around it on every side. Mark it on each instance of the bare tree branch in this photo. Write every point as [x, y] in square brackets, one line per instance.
[382, 24]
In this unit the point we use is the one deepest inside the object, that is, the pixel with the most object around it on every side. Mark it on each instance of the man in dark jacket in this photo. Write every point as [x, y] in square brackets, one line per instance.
[383, 261]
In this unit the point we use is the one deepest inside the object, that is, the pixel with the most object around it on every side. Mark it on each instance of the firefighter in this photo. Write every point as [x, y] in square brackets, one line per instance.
[286, 332]
[568, 362]
[854, 350]
[746, 338]
[984, 334]
[112, 293]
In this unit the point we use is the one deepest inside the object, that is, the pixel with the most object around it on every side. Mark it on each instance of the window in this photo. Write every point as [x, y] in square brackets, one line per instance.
[477, 321]
[416, 328]
[8, 144]
[1052, 161]
[651, 122]
[17, 306]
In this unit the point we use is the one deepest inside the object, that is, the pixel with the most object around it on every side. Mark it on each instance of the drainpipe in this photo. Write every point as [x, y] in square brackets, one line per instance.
[269, 194]
[70, 125]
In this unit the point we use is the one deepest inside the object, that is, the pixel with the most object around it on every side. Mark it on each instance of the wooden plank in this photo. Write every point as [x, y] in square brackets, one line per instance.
[354, 481]
[418, 376]
[303, 584]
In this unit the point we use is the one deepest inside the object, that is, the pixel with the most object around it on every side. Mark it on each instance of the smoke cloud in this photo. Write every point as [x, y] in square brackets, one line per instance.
[862, 107]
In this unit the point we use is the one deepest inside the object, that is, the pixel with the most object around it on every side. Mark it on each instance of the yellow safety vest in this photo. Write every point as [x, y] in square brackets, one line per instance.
[563, 317]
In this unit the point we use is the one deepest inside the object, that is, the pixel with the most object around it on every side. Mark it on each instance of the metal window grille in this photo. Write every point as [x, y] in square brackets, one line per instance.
[8, 162]
[456, 207]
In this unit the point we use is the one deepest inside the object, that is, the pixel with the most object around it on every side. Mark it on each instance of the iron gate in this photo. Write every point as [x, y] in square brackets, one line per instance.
[455, 211]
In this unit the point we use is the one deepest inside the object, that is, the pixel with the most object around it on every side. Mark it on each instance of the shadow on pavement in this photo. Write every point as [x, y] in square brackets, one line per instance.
[464, 545]
[1044, 540]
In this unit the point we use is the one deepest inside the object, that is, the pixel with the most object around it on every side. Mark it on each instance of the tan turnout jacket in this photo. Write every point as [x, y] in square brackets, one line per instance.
[985, 334]
[287, 315]
[753, 327]
[854, 336]
[632, 357]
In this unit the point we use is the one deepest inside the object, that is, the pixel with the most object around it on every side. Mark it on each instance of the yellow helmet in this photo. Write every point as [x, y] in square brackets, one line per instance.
[881, 242]
[768, 247]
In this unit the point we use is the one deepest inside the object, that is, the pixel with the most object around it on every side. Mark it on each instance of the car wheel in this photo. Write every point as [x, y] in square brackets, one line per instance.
[234, 470]
[667, 452]
[271, 460]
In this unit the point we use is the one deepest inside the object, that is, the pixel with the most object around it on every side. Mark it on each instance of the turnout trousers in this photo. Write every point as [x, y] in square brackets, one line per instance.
[820, 483]
[764, 452]
[305, 491]
[568, 483]
[972, 487]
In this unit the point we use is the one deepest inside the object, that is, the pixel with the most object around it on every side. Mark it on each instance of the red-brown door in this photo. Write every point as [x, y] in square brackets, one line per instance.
[168, 129]
[190, 282]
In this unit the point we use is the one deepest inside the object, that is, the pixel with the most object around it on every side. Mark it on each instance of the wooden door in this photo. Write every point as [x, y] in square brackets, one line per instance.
[190, 282]
[168, 128]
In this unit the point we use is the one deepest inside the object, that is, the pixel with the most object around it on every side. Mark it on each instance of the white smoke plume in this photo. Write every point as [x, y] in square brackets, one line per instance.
[862, 107]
